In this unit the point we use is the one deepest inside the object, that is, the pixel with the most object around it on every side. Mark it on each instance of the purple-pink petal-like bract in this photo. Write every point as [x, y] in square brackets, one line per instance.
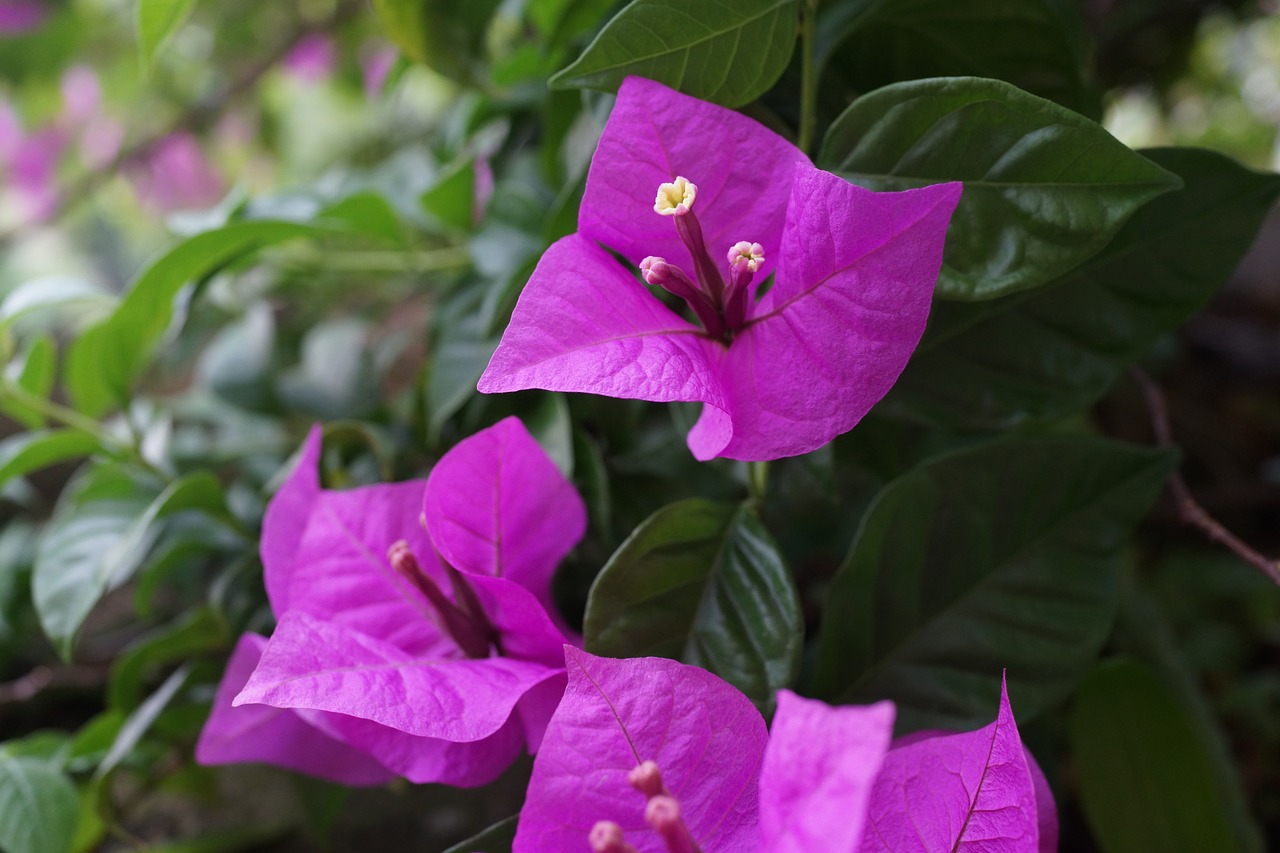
[819, 769]
[705, 736]
[969, 791]
[855, 273]
[828, 778]
[378, 623]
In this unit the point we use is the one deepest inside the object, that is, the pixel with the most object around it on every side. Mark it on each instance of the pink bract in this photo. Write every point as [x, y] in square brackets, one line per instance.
[855, 272]
[827, 778]
[363, 650]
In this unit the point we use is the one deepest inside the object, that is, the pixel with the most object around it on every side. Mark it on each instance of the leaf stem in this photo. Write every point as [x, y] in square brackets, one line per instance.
[808, 73]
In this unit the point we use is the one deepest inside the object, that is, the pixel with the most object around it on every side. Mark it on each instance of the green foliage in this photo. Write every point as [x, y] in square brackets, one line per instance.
[1146, 781]
[158, 20]
[1003, 556]
[973, 366]
[38, 806]
[704, 583]
[727, 52]
[1034, 205]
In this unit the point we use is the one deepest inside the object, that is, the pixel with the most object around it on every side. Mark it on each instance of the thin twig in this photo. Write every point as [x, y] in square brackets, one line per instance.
[1189, 510]
[195, 117]
[43, 678]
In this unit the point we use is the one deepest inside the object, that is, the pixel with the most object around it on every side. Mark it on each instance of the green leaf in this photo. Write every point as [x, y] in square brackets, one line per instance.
[1001, 556]
[103, 363]
[30, 451]
[95, 545]
[1034, 44]
[451, 199]
[495, 839]
[34, 373]
[1056, 350]
[729, 53]
[137, 723]
[157, 21]
[701, 582]
[199, 632]
[1045, 188]
[38, 806]
[552, 426]
[1143, 771]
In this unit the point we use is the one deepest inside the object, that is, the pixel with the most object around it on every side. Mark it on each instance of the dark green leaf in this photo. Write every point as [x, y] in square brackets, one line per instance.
[551, 425]
[729, 53]
[1004, 555]
[1033, 44]
[1045, 188]
[103, 363]
[1144, 775]
[495, 839]
[1058, 349]
[38, 806]
[157, 21]
[30, 451]
[704, 583]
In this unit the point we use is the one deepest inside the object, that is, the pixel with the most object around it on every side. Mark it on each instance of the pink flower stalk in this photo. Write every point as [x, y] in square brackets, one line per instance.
[176, 175]
[652, 755]
[413, 634]
[778, 374]
[312, 59]
[20, 16]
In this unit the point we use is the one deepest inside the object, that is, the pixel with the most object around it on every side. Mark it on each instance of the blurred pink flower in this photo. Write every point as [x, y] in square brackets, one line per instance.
[33, 172]
[20, 16]
[312, 59]
[10, 133]
[81, 96]
[376, 62]
[100, 142]
[176, 175]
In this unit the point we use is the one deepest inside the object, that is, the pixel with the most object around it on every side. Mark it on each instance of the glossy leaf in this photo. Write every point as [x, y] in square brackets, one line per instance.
[451, 199]
[56, 294]
[1037, 45]
[38, 806]
[157, 21]
[198, 632]
[1145, 777]
[1044, 188]
[443, 34]
[137, 723]
[728, 53]
[1003, 555]
[701, 582]
[1058, 349]
[107, 358]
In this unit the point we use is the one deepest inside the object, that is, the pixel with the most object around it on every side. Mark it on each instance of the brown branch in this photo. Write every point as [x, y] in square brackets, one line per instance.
[44, 678]
[196, 117]
[1190, 512]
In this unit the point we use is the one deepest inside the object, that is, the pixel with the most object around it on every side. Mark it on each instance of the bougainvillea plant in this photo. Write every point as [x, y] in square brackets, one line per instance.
[715, 420]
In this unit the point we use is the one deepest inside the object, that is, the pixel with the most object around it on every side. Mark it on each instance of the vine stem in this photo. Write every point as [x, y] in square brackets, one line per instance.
[757, 479]
[808, 74]
[1189, 510]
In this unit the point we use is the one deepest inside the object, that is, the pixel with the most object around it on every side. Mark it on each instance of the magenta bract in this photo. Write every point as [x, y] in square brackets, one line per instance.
[666, 757]
[779, 374]
[413, 618]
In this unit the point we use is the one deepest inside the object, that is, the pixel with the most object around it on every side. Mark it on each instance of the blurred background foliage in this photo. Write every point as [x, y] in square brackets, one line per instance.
[372, 184]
